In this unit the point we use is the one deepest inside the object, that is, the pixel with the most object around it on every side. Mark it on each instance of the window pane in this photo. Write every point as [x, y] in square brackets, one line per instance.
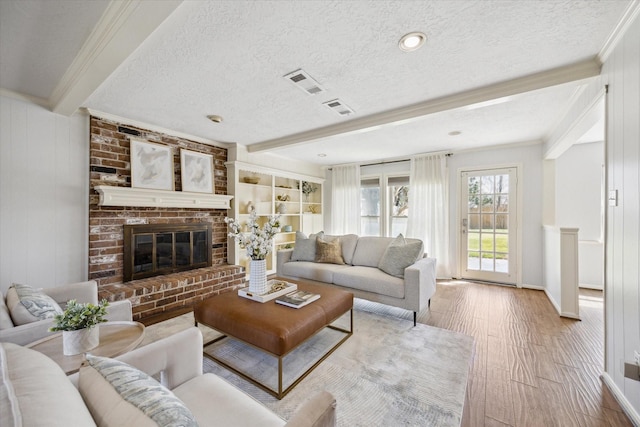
[473, 241]
[143, 253]
[487, 185]
[474, 222]
[183, 248]
[502, 203]
[400, 200]
[399, 225]
[502, 222]
[370, 226]
[164, 250]
[502, 184]
[199, 247]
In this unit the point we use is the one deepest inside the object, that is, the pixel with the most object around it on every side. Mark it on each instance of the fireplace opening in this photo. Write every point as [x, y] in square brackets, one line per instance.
[154, 249]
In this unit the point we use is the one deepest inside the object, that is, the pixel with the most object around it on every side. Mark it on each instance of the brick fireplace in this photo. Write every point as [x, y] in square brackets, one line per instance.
[164, 295]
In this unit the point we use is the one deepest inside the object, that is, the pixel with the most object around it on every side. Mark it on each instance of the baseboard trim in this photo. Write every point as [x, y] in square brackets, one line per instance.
[534, 287]
[621, 399]
[557, 307]
[587, 286]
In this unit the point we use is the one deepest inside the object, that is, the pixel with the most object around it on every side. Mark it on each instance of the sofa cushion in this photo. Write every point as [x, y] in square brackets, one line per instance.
[348, 243]
[27, 304]
[369, 250]
[118, 394]
[305, 247]
[399, 255]
[34, 391]
[312, 270]
[240, 409]
[5, 317]
[370, 279]
[329, 252]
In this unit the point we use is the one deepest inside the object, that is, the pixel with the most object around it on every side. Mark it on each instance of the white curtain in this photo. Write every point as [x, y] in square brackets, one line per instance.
[429, 208]
[345, 200]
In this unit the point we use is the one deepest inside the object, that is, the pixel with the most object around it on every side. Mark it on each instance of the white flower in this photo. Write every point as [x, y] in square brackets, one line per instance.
[259, 242]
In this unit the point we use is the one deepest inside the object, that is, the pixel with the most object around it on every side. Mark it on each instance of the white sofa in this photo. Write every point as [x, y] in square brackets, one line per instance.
[35, 392]
[363, 270]
[84, 292]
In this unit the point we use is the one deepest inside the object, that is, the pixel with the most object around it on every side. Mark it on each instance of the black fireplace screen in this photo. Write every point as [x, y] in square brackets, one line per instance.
[151, 250]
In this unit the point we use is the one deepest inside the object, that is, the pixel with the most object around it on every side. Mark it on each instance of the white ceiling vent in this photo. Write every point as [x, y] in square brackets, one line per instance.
[339, 107]
[304, 81]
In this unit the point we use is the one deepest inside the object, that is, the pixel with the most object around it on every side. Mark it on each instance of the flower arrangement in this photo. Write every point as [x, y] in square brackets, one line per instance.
[308, 188]
[80, 316]
[258, 241]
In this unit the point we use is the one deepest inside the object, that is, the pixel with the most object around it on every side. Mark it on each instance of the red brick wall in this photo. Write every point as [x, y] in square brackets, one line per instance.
[110, 165]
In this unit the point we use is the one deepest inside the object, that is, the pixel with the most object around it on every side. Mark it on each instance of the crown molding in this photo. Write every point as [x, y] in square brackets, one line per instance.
[125, 121]
[632, 12]
[27, 98]
[122, 28]
[574, 72]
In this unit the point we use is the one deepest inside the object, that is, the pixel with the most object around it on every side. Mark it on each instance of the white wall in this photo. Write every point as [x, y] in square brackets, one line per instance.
[622, 288]
[530, 157]
[43, 195]
[579, 179]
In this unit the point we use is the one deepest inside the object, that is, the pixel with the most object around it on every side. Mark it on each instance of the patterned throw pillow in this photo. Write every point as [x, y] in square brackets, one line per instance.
[399, 255]
[329, 252]
[28, 305]
[118, 394]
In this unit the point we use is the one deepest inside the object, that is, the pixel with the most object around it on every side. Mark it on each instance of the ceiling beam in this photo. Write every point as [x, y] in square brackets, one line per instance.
[574, 72]
[123, 27]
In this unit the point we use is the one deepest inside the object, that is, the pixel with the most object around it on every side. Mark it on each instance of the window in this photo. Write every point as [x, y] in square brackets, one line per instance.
[399, 204]
[394, 207]
[370, 207]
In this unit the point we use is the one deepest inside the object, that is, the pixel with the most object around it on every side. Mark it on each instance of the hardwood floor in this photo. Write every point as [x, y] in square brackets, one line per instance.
[531, 367]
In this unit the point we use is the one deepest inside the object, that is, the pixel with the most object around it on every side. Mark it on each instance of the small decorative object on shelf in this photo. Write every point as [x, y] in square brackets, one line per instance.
[308, 188]
[258, 243]
[250, 207]
[79, 326]
[282, 208]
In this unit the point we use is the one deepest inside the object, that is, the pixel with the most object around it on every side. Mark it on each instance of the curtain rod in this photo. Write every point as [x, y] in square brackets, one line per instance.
[392, 161]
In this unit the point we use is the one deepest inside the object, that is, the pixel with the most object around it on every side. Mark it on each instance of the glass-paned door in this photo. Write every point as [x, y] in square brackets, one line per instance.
[488, 225]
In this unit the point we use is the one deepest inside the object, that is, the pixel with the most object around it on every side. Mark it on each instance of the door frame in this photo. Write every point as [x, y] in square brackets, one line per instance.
[519, 225]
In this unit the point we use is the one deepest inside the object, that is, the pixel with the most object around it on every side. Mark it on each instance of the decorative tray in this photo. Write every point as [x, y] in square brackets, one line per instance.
[275, 291]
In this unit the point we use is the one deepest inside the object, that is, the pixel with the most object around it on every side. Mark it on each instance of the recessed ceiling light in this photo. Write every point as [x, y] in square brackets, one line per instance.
[454, 133]
[412, 41]
[214, 118]
[322, 155]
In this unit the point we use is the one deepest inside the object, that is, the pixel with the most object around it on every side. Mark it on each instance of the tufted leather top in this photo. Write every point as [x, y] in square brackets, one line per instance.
[272, 327]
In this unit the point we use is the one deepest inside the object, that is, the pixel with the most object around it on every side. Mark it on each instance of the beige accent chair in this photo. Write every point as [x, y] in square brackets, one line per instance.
[36, 392]
[84, 292]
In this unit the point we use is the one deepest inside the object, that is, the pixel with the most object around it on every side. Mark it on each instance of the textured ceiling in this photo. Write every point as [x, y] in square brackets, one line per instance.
[229, 57]
[40, 39]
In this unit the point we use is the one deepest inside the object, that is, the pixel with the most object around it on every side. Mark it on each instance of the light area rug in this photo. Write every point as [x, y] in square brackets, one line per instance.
[388, 373]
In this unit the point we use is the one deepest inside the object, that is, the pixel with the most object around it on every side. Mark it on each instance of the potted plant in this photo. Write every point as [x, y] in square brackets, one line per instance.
[79, 326]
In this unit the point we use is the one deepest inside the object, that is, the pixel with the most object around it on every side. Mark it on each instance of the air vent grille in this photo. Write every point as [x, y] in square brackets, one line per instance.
[339, 107]
[304, 81]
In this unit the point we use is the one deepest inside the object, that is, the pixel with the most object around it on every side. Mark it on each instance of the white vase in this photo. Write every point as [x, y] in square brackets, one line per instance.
[80, 341]
[258, 276]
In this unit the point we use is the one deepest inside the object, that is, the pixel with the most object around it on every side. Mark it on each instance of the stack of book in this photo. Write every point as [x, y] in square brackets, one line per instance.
[297, 299]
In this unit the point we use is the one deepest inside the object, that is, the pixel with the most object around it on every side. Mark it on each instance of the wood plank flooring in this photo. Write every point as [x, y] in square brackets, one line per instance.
[531, 367]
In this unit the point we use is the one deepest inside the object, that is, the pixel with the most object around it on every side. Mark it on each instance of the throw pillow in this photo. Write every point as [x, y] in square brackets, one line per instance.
[329, 252]
[305, 247]
[28, 305]
[118, 394]
[399, 255]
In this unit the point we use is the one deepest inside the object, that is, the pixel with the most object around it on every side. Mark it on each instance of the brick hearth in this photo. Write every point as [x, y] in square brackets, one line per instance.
[110, 165]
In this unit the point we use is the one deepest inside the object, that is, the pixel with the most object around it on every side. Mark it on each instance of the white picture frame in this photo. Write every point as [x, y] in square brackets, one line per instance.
[197, 171]
[151, 165]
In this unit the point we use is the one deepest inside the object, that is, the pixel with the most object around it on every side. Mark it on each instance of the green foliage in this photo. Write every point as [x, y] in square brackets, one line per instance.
[80, 316]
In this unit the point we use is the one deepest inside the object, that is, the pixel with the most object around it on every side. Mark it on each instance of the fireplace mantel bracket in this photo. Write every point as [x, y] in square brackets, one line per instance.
[147, 198]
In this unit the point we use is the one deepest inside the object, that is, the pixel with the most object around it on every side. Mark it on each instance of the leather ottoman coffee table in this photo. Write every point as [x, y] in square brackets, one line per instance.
[275, 328]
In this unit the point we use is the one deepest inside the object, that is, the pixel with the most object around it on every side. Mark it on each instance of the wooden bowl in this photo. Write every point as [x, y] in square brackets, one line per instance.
[251, 179]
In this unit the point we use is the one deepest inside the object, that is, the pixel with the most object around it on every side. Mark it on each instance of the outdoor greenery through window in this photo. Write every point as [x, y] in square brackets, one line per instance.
[395, 206]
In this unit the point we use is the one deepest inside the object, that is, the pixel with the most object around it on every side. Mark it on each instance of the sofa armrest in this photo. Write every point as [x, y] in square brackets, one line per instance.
[420, 282]
[119, 311]
[319, 411]
[177, 358]
[83, 292]
[282, 256]
[27, 333]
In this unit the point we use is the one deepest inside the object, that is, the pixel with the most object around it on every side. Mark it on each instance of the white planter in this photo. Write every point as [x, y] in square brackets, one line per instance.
[258, 276]
[80, 341]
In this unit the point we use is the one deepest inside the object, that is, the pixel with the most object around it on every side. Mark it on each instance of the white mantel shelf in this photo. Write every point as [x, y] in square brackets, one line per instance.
[142, 197]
